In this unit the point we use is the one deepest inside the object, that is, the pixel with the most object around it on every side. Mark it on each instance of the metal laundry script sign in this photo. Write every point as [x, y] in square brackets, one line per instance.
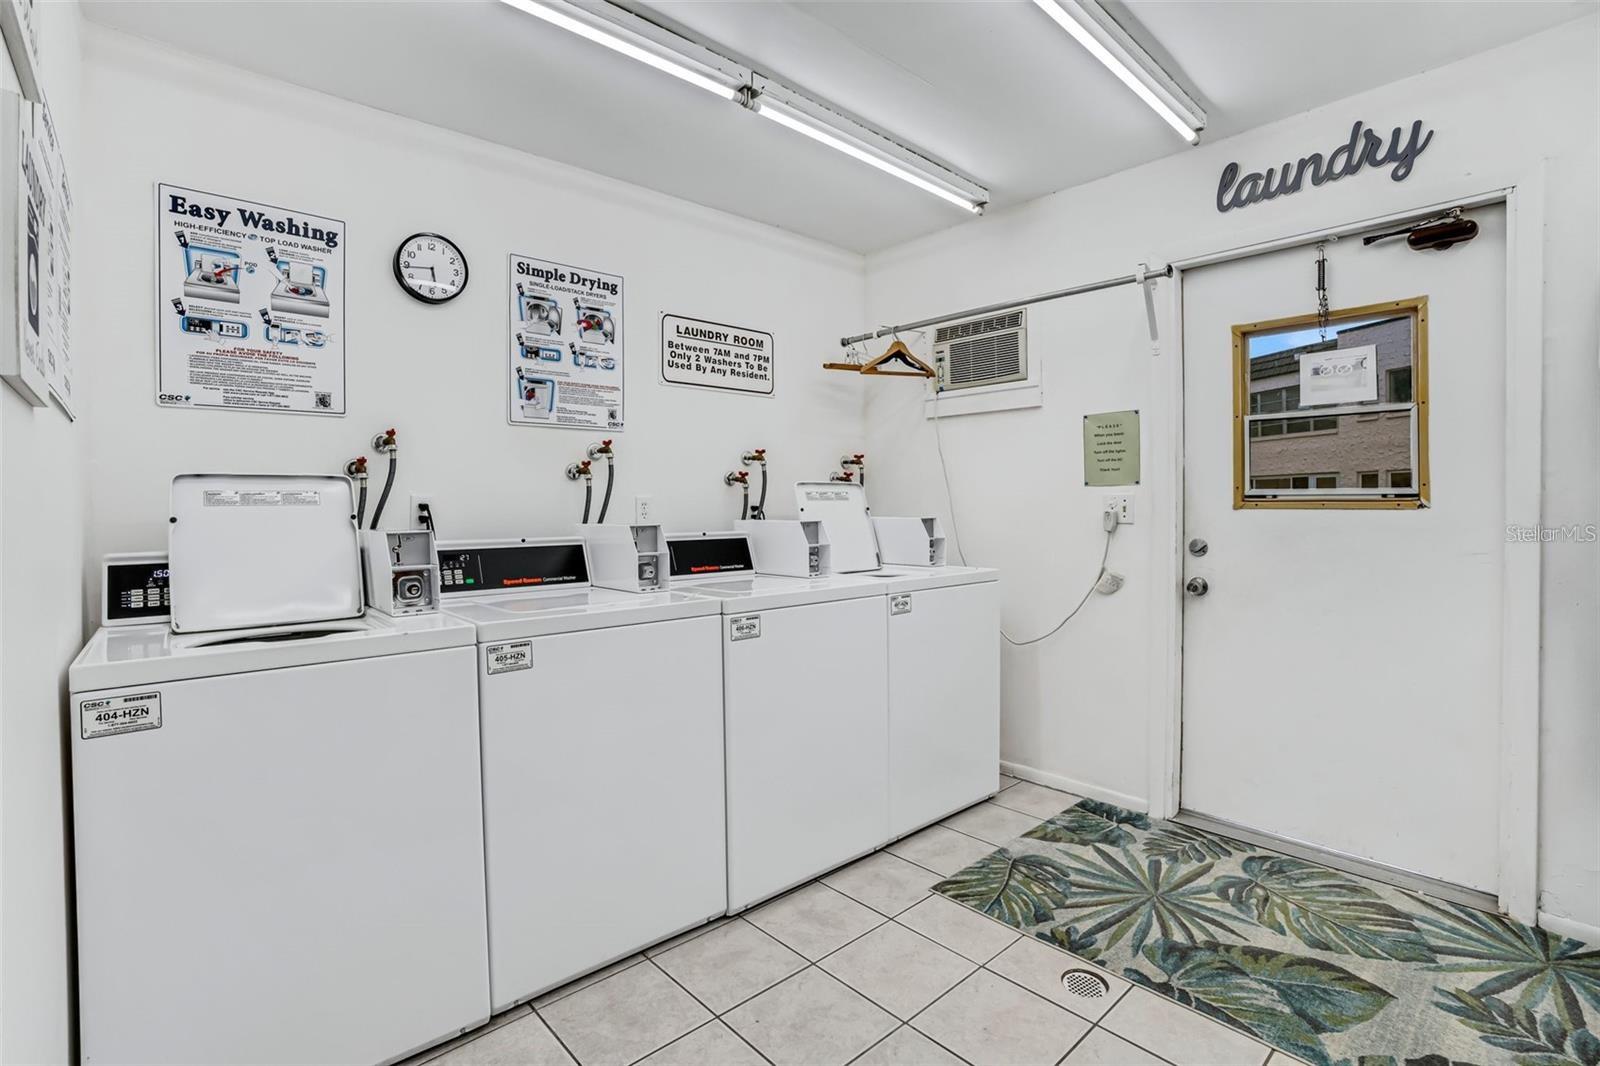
[1364, 149]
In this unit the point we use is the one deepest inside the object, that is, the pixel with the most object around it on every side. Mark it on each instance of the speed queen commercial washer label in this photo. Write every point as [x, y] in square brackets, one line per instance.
[744, 627]
[504, 658]
[108, 716]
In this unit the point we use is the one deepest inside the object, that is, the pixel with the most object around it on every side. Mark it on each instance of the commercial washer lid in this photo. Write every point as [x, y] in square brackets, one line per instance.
[841, 507]
[262, 550]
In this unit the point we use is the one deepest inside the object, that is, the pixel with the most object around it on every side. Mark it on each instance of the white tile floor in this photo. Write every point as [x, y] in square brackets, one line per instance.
[862, 966]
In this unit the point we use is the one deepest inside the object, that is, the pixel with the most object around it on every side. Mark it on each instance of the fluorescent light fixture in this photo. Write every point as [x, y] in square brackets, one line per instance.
[706, 69]
[1091, 27]
[805, 125]
[617, 42]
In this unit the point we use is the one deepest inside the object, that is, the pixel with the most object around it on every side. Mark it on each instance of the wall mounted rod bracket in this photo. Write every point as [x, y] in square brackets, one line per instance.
[1141, 278]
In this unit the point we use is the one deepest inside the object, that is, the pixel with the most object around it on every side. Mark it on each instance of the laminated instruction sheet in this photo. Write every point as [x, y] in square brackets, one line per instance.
[250, 311]
[565, 346]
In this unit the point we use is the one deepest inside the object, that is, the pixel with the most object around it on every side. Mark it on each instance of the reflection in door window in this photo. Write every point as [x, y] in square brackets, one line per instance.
[1362, 433]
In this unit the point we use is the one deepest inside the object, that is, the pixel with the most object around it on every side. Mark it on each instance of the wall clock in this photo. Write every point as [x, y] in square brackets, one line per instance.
[430, 268]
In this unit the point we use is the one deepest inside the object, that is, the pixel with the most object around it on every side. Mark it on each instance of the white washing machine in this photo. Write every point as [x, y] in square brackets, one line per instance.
[944, 657]
[944, 690]
[278, 829]
[602, 759]
[804, 689]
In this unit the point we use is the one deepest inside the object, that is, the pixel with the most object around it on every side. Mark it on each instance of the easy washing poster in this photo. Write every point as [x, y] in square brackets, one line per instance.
[565, 346]
[250, 305]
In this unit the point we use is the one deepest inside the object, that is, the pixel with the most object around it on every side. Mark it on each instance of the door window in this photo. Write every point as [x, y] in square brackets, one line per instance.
[1333, 417]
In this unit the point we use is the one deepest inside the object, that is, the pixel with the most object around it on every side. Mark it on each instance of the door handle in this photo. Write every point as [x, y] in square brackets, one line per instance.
[1197, 586]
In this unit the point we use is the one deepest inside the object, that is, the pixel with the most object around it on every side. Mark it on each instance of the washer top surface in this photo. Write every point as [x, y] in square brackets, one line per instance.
[900, 578]
[153, 654]
[544, 613]
[751, 592]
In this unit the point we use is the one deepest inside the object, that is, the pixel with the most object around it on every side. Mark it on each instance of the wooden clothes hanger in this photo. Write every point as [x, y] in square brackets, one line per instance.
[899, 353]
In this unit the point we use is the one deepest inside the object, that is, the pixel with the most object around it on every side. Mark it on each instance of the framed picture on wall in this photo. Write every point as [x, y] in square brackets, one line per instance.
[19, 24]
[22, 296]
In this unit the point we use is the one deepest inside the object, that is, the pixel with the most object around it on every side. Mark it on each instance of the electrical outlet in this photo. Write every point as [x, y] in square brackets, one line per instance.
[644, 511]
[1123, 505]
[418, 501]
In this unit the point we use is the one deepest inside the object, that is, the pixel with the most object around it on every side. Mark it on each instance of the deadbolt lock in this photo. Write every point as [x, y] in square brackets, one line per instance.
[1198, 547]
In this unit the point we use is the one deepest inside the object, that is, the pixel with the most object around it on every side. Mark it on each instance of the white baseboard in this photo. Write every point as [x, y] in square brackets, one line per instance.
[1554, 923]
[1074, 786]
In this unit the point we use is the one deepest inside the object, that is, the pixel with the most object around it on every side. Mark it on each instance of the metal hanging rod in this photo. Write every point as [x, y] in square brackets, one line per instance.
[1076, 290]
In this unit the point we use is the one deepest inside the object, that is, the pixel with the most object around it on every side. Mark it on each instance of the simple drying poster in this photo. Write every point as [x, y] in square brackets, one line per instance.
[566, 346]
[250, 308]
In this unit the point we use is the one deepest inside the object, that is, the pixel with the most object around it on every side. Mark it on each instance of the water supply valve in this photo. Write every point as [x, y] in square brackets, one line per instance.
[579, 471]
[847, 476]
[385, 442]
[356, 468]
[755, 456]
[736, 479]
[603, 448]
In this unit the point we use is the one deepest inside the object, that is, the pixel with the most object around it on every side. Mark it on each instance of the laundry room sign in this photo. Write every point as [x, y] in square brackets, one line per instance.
[714, 355]
[1365, 148]
[249, 305]
[1111, 448]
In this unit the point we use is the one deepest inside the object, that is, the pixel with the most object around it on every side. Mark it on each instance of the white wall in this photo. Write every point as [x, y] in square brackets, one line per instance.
[41, 627]
[1076, 709]
[436, 373]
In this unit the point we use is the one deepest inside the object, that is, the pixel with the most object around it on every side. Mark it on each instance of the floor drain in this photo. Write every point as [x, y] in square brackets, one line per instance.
[1085, 984]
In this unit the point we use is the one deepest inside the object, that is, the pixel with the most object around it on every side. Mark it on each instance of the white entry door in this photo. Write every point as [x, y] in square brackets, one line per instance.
[1341, 649]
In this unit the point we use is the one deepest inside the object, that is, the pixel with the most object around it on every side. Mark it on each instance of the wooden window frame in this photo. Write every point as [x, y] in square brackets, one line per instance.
[1417, 308]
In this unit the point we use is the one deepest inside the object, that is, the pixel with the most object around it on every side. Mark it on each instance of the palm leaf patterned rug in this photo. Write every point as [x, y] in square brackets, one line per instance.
[1329, 967]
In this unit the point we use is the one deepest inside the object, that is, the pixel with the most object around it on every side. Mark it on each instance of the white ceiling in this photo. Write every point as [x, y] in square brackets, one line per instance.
[991, 88]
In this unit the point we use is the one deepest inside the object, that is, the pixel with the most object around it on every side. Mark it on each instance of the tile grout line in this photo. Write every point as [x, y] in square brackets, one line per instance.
[918, 865]
[1030, 814]
[530, 1000]
[461, 1040]
[557, 1036]
[1271, 1050]
[715, 1017]
[875, 1043]
[1113, 1033]
[1040, 995]
[919, 1032]
[992, 845]
[809, 964]
[980, 965]
[900, 1022]
[674, 1040]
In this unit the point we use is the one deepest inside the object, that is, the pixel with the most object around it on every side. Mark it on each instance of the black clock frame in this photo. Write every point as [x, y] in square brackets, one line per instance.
[431, 301]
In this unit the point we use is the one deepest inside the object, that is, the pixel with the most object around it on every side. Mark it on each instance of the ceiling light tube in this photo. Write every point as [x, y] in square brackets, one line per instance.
[809, 127]
[1108, 42]
[618, 41]
[707, 69]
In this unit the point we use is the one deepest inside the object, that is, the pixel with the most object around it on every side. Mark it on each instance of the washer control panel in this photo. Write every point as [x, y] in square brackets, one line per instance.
[710, 553]
[135, 588]
[511, 566]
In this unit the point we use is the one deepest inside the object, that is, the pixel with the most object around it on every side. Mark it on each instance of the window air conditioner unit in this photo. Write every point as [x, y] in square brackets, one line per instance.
[982, 351]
